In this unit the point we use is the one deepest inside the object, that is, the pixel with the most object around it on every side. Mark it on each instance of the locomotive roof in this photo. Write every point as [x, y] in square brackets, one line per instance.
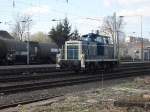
[93, 35]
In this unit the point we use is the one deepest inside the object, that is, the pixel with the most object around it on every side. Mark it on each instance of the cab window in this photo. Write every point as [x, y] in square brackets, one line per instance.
[99, 39]
[106, 41]
[110, 41]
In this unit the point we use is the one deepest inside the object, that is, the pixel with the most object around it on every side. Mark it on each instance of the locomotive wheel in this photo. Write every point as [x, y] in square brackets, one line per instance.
[106, 67]
[5, 62]
[76, 70]
[92, 67]
[111, 67]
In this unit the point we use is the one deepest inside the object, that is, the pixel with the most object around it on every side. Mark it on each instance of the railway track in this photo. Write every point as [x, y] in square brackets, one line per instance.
[19, 69]
[64, 80]
[23, 83]
[28, 69]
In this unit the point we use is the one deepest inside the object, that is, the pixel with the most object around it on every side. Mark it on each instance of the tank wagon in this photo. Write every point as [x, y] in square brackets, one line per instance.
[13, 51]
[47, 52]
[92, 52]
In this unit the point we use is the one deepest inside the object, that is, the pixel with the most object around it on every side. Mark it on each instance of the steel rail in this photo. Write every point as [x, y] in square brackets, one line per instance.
[72, 79]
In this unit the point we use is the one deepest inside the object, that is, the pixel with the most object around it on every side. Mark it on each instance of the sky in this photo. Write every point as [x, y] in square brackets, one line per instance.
[77, 11]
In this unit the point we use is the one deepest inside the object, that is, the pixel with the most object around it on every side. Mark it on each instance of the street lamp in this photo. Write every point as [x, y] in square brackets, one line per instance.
[134, 34]
[56, 20]
[28, 44]
[95, 19]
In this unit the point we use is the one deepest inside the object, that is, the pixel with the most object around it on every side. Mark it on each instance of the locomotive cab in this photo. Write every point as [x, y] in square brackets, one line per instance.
[71, 55]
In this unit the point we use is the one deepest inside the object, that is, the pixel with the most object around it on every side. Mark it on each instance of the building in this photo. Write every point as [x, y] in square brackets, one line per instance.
[132, 47]
[135, 39]
[147, 54]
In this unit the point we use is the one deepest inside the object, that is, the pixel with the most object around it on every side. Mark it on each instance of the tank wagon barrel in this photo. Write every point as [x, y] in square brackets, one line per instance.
[47, 52]
[14, 51]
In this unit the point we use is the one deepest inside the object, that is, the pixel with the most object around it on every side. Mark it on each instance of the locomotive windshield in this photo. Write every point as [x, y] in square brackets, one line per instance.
[72, 52]
[86, 38]
[99, 39]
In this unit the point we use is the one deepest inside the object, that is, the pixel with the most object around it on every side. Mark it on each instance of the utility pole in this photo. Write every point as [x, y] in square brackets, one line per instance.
[116, 38]
[28, 47]
[118, 41]
[28, 43]
[115, 35]
[142, 41]
[118, 56]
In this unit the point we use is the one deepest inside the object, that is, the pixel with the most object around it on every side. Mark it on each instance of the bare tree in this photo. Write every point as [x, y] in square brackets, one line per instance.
[40, 37]
[21, 26]
[113, 26]
[110, 24]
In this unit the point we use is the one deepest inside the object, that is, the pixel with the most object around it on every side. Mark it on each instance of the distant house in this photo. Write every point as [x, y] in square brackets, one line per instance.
[133, 47]
[136, 39]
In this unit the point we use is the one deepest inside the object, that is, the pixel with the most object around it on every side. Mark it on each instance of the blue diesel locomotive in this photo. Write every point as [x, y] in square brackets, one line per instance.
[91, 52]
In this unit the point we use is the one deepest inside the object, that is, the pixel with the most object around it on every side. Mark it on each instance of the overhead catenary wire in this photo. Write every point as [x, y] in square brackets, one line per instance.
[73, 15]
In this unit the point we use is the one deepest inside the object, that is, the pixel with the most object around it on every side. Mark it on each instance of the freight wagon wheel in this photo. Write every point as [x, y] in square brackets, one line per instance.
[11, 63]
[3, 62]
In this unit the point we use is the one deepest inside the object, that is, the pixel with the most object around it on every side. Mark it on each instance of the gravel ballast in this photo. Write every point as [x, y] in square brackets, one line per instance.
[91, 97]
